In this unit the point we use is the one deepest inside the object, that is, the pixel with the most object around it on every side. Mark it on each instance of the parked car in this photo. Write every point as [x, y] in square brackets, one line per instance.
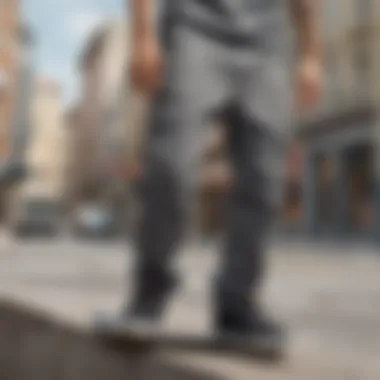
[12, 173]
[94, 220]
[36, 217]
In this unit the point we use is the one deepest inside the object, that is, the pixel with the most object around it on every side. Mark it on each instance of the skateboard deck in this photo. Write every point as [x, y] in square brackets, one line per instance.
[145, 339]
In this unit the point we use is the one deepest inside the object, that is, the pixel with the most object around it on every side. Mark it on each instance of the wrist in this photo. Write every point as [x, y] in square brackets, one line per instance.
[311, 52]
[142, 33]
[142, 20]
[310, 57]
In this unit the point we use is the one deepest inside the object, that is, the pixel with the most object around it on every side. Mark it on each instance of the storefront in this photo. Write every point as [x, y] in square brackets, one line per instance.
[336, 198]
[330, 191]
[343, 195]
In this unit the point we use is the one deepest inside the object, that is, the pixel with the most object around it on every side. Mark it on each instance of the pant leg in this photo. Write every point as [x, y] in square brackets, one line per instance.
[194, 85]
[258, 145]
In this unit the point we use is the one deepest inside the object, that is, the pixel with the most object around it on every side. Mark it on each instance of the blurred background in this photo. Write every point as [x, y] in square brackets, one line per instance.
[71, 127]
[71, 133]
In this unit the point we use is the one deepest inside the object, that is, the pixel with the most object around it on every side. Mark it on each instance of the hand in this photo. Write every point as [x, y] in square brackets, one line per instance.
[146, 65]
[308, 83]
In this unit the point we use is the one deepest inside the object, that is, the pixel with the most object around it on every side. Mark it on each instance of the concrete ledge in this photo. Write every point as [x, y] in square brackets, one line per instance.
[328, 299]
[36, 347]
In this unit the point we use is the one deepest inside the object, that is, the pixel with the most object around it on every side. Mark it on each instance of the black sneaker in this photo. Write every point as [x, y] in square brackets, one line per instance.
[142, 317]
[150, 300]
[255, 331]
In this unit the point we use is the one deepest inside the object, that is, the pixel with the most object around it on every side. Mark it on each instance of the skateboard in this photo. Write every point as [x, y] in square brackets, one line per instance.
[145, 339]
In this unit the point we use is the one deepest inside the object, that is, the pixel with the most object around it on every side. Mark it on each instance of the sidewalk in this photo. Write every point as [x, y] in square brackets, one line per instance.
[329, 299]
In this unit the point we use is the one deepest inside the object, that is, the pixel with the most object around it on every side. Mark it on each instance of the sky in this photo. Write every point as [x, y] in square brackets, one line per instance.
[60, 28]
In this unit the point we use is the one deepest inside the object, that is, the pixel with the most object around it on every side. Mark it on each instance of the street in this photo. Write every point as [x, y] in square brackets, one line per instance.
[328, 297]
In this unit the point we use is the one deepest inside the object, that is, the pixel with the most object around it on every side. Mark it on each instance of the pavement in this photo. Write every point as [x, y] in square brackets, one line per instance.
[328, 297]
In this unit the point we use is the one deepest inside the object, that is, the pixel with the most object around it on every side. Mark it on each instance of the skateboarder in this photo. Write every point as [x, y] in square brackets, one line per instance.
[211, 57]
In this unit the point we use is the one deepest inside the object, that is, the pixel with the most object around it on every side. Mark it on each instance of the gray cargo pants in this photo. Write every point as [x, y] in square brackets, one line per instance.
[203, 77]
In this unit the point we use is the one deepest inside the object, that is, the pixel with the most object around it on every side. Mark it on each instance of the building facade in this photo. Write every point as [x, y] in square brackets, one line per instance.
[88, 121]
[333, 186]
[102, 127]
[10, 30]
[114, 110]
[72, 123]
[46, 154]
[21, 124]
[335, 196]
[16, 74]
